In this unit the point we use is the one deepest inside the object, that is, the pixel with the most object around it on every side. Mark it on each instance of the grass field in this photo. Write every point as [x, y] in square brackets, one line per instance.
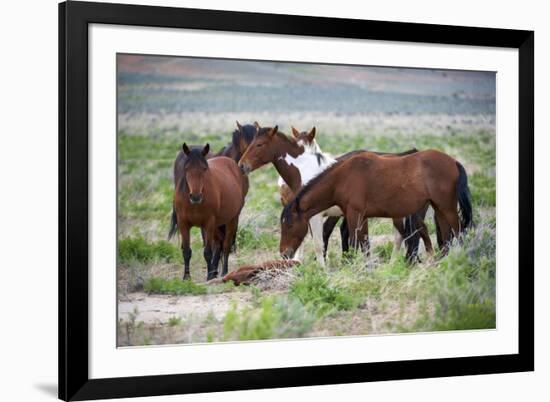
[349, 296]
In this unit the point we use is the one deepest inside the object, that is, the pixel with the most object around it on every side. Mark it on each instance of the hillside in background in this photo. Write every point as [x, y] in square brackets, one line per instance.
[151, 84]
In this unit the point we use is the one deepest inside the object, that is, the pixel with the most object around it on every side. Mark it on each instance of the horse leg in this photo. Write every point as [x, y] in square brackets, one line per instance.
[438, 233]
[358, 231]
[185, 248]
[425, 235]
[398, 236]
[451, 215]
[444, 230]
[316, 227]
[328, 227]
[230, 234]
[217, 246]
[212, 271]
[344, 234]
[423, 229]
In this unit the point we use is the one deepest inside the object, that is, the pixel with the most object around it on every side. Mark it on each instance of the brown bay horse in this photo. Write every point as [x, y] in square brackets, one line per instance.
[382, 187]
[240, 139]
[410, 230]
[209, 194]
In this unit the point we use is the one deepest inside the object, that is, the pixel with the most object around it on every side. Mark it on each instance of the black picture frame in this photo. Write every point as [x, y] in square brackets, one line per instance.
[74, 18]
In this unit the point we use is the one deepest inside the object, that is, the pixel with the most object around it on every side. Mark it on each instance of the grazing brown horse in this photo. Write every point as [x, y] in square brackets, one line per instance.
[410, 230]
[369, 185]
[209, 194]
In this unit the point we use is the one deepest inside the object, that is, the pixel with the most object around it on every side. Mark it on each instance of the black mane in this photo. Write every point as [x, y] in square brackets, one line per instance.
[248, 131]
[320, 158]
[232, 149]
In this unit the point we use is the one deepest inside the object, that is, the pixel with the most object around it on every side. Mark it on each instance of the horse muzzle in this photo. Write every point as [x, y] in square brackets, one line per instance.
[195, 198]
[245, 168]
[288, 254]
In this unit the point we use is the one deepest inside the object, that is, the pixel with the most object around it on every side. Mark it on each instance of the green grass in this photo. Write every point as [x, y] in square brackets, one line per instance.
[174, 286]
[140, 250]
[483, 189]
[454, 292]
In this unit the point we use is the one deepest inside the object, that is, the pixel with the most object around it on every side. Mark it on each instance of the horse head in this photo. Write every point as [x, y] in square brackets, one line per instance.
[307, 140]
[195, 168]
[262, 149]
[294, 228]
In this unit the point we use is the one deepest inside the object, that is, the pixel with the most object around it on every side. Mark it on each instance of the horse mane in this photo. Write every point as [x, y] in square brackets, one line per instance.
[320, 158]
[352, 153]
[248, 131]
[280, 134]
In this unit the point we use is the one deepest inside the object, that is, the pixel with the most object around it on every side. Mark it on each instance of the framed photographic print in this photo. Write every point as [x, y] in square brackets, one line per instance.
[257, 200]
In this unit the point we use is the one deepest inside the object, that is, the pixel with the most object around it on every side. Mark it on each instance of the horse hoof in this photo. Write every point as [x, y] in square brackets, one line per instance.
[186, 277]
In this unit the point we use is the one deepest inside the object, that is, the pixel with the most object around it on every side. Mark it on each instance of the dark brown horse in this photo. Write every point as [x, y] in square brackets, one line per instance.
[392, 187]
[209, 194]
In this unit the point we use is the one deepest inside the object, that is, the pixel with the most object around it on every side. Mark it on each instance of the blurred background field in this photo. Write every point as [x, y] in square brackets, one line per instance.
[165, 101]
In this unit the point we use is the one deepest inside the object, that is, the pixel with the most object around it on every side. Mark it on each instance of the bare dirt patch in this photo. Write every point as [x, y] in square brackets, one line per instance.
[160, 308]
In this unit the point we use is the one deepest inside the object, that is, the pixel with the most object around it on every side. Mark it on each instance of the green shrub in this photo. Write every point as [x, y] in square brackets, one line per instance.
[174, 321]
[250, 238]
[275, 317]
[314, 290]
[138, 249]
[174, 286]
[462, 288]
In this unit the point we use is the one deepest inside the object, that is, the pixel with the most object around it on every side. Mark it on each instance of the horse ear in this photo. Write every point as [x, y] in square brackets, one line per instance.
[311, 134]
[205, 150]
[186, 149]
[295, 133]
[239, 126]
[273, 131]
[257, 125]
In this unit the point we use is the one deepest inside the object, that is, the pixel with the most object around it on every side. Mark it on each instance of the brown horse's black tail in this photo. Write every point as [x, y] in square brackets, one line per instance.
[173, 224]
[464, 198]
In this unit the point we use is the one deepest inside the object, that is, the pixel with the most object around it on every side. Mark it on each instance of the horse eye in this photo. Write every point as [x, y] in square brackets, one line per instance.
[259, 145]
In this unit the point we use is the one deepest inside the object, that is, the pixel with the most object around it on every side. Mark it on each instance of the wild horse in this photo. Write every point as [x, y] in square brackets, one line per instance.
[241, 137]
[392, 187]
[209, 194]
